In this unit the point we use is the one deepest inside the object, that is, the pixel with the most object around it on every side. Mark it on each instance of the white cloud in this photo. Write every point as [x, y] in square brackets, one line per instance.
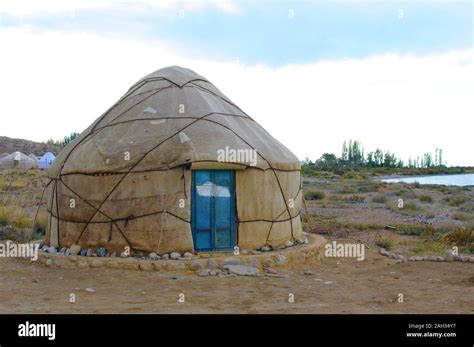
[30, 7]
[55, 83]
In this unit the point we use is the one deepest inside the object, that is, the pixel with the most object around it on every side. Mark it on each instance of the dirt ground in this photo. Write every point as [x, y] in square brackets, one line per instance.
[336, 286]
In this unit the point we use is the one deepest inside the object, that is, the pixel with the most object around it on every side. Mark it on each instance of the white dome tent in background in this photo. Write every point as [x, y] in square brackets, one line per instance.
[34, 157]
[17, 160]
[46, 160]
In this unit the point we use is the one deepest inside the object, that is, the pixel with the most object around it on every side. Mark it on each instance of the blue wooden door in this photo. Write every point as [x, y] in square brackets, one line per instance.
[213, 210]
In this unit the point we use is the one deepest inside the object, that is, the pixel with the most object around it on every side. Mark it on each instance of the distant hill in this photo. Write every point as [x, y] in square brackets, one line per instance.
[9, 145]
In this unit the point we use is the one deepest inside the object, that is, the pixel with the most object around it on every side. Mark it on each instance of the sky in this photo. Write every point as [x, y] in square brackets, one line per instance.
[394, 75]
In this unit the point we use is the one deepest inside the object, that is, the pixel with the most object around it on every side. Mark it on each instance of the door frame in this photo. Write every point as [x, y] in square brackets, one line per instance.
[233, 214]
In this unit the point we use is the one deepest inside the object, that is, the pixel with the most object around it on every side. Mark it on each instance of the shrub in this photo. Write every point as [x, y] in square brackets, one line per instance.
[315, 195]
[461, 236]
[379, 199]
[385, 243]
[19, 184]
[462, 216]
[409, 229]
[425, 198]
[41, 224]
[3, 218]
[457, 201]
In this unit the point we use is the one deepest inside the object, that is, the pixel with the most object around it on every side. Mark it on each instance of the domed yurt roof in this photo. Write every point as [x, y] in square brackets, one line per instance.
[171, 117]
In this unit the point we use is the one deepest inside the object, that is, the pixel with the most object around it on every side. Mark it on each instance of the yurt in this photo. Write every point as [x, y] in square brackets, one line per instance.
[17, 160]
[34, 158]
[46, 160]
[174, 165]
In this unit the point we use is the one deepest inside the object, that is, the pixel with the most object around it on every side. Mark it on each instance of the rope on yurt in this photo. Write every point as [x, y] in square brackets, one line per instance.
[163, 217]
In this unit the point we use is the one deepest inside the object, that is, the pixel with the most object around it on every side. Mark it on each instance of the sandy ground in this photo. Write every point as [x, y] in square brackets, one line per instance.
[337, 286]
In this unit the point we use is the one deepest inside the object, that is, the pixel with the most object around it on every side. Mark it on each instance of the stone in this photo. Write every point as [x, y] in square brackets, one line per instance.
[232, 261]
[242, 270]
[83, 252]
[465, 259]
[113, 264]
[218, 272]
[384, 252]
[269, 270]
[398, 261]
[266, 248]
[255, 263]
[113, 254]
[145, 266]
[52, 250]
[308, 272]
[82, 265]
[176, 265]
[418, 258]
[471, 259]
[400, 257]
[75, 249]
[212, 263]
[49, 262]
[89, 253]
[124, 255]
[255, 252]
[68, 251]
[97, 263]
[153, 256]
[63, 250]
[281, 259]
[165, 256]
[449, 255]
[439, 258]
[90, 290]
[101, 252]
[244, 252]
[433, 258]
[195, 266]
[58, 262]
[188, 255]
[289, 243]
[213, 273]
[204, 273]
[175, 255]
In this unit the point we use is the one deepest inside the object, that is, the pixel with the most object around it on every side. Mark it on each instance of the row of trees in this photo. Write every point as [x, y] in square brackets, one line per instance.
[65, 140]
[353, 156]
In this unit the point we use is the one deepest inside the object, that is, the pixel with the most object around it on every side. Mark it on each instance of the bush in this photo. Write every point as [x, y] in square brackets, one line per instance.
[314, 195]
[461, 236]
[3, 218]
[462, 216]
[385, 243]
[41, 224]
[425, 198]
[379, 199]
[457, 201]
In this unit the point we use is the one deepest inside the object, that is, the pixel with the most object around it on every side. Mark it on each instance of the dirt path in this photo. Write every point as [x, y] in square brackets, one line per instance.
[337, 286]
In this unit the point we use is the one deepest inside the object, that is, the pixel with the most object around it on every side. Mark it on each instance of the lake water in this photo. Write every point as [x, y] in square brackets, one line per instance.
[446, 180]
